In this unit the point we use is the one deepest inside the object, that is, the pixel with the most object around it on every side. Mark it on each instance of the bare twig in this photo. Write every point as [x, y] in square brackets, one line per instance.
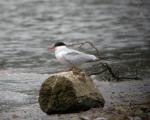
[97, 73]
[89, 43]
[98, 54]
[114, 74]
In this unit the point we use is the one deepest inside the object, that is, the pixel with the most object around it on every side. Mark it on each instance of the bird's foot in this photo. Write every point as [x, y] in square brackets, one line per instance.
[76, 71]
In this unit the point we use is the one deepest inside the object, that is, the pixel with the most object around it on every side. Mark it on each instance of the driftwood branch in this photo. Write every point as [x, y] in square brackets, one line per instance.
[97, 73]
[89, 43]
[114, 74]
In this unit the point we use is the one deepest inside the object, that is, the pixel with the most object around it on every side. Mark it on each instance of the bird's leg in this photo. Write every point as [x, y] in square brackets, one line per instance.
[70, 68]
[76, 71]
[73, 68]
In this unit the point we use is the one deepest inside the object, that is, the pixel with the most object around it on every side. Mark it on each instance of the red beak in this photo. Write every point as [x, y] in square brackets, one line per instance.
[51, 48]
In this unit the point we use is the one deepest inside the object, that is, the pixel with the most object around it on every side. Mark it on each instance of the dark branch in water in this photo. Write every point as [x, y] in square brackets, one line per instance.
[114, 74]
[97, 73]
[94, 47]
[91, 44]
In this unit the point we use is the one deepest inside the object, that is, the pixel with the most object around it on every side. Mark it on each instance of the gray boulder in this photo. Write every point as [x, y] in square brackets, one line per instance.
[68, 92]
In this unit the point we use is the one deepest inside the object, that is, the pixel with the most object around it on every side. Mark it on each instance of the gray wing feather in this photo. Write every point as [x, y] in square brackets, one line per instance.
[78, 57]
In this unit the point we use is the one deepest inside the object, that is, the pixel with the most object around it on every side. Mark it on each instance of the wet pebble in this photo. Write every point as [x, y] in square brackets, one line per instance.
[101, 118]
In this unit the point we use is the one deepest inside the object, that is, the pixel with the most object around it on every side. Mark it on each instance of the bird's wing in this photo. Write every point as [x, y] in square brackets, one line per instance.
[76, 57]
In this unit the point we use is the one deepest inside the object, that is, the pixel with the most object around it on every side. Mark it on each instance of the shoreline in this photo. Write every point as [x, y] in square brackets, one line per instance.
[117, 104]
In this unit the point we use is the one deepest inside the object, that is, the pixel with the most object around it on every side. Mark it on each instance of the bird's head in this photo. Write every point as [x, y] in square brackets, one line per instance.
[58, 44]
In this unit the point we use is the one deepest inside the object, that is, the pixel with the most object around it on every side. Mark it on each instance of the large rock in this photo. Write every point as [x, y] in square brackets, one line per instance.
[68, 92]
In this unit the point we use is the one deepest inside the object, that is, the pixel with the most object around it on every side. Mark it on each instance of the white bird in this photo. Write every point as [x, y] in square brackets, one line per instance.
[69, 56]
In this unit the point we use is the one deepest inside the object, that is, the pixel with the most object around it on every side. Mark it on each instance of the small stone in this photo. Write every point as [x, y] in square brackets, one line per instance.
[84, 118]
[74, 117]
[119, 117]
[120, 109]
[14, 116]
[137, 118]
[101, 118]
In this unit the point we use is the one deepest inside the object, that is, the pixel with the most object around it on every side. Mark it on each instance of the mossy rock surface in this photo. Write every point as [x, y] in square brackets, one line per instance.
[66, 92]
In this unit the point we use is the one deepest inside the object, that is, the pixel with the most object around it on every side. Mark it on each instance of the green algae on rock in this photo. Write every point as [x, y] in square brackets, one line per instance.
[67, 92]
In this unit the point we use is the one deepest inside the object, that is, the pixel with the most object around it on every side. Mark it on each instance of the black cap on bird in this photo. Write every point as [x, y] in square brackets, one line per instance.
[51, 48]
[59, 44]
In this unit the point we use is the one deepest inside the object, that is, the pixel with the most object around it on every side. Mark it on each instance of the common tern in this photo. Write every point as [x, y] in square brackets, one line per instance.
[70, 57]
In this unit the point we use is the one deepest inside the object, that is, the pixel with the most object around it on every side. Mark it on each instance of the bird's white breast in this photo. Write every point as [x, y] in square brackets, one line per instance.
[59, 54]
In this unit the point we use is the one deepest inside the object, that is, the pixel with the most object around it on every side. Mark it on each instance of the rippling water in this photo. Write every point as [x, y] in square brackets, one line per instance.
[119, 28]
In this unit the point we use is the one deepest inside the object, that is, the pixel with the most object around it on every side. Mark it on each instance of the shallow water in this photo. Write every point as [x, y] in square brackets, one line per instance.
[119, 29]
